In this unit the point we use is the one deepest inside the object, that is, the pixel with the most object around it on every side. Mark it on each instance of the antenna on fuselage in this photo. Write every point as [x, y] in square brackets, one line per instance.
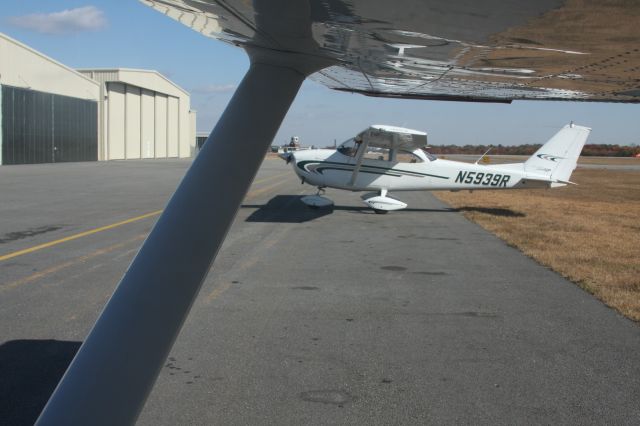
[482, 156]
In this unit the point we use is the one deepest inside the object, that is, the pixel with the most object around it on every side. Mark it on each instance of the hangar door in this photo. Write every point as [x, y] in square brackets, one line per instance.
[39, 127]
[141, 123]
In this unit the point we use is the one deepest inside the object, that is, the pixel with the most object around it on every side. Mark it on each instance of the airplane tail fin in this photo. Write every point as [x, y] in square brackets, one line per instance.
[558, 157]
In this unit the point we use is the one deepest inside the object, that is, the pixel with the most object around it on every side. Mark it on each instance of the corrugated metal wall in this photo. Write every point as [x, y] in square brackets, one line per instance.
[40, 127]
[132, 121]
[115, 122]
[160, 125]
[173, 129]
[147, 123]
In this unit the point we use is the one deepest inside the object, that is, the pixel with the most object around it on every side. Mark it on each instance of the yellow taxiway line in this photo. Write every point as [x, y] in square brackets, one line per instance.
[78, 235]
[64, 265]
[123, 222]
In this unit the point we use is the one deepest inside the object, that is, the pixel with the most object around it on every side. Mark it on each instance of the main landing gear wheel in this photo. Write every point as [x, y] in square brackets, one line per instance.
[380, 203]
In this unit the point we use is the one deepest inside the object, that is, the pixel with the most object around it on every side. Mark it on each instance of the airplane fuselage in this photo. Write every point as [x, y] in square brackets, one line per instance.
[330, 168]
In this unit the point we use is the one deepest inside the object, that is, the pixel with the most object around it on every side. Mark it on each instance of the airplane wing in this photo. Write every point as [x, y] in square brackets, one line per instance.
[391, 137]
[489, 51]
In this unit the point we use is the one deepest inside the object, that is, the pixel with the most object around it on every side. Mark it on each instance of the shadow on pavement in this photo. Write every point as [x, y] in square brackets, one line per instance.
[289, 209]
[491, 211]
[29, 372]
[285, 209]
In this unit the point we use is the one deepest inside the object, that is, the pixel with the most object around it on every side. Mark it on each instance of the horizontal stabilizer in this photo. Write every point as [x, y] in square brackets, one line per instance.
[530, 182]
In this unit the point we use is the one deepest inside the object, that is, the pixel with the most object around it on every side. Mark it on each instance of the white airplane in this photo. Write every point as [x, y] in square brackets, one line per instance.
[386, 158]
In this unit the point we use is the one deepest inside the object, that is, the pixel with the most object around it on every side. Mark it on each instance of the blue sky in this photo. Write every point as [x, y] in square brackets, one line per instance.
[132, 35]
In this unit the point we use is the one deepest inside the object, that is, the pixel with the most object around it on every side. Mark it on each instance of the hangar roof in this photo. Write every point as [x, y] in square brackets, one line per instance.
[147, 79]
[30, 69]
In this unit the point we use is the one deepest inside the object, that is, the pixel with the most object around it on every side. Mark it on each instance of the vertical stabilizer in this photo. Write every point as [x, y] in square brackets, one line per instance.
[558, 157]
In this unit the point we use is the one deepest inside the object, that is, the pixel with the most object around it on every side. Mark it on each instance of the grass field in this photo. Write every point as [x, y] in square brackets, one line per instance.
[499, 159]
[588, 233]
[614, 161]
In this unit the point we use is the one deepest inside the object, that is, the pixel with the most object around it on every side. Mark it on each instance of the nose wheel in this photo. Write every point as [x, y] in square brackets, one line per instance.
[318, 200]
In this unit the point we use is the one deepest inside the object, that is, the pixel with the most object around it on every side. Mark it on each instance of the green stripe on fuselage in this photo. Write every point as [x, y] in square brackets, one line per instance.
[350, 167]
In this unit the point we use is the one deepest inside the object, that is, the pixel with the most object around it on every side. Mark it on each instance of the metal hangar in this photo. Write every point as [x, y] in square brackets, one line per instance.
[51, 113]
[145, 115]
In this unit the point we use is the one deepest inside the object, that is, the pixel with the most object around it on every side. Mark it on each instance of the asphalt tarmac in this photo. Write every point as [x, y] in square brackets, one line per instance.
[336, 316]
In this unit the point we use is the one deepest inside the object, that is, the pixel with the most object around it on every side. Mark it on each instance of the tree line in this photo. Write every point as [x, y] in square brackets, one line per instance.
[589, 150]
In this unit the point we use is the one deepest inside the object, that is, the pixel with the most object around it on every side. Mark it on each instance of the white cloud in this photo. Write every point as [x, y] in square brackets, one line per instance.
[87, 18]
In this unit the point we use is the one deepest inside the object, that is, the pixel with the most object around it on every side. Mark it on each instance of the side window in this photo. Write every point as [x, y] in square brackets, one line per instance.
[380, 154]
[408, 157]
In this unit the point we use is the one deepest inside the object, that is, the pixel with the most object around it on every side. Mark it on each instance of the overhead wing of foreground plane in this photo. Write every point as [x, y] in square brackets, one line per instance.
[492, 51]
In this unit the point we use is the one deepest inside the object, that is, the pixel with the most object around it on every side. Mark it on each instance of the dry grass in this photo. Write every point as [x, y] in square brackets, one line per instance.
[500, 159]
[614, 161]
[589, 233]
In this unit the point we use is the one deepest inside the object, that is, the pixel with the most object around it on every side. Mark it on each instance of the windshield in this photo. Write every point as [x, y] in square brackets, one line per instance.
[348, 147]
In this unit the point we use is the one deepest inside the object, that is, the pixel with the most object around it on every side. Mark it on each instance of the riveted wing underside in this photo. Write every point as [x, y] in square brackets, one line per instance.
[492, 51]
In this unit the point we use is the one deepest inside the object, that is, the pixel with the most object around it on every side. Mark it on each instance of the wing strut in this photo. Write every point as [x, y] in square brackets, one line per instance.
[359, 157]
[115, 369]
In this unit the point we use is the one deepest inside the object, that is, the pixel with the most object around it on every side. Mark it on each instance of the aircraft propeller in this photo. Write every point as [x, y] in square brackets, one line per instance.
[286, 156]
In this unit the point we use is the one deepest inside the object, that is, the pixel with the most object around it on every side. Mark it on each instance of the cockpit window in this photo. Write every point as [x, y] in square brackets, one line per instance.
[407, 157]
[392, 155]
[348, 147]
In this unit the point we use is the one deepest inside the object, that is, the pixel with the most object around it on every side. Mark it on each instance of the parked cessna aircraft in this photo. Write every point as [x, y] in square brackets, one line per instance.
[386, 158]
